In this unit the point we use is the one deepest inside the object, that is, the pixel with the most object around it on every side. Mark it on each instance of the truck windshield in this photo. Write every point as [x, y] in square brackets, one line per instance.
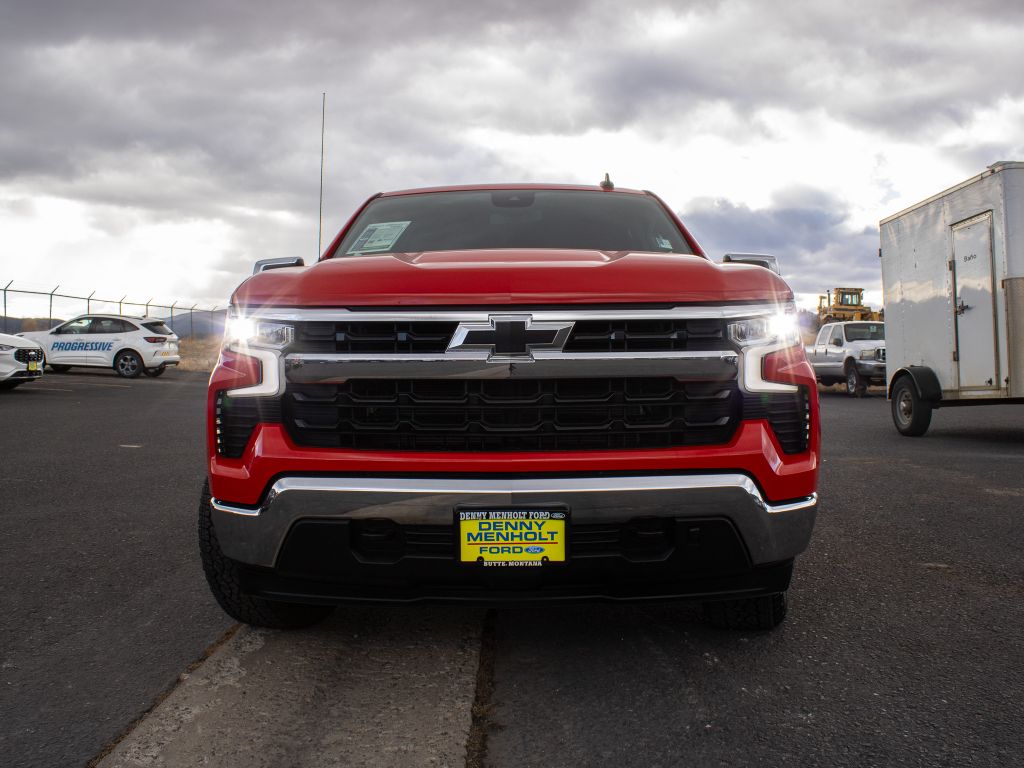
[517, 218]
[865, 332]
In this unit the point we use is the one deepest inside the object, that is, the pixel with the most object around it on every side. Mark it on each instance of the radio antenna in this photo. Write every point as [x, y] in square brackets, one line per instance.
[320, 226]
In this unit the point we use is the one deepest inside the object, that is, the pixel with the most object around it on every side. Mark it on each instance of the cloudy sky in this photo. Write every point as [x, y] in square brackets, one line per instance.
[157, 149]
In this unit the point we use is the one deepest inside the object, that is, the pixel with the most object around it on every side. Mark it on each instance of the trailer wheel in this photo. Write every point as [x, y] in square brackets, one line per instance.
[910, 413]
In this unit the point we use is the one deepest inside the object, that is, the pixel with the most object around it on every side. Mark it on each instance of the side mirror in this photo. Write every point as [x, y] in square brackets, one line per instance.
[760, 259]
[287, 261]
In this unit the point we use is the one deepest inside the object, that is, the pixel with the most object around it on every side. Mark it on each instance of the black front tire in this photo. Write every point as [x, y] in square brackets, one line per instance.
[154, 372]
[855, 386]
[910, 413]
[128, 365]
[750, 613]
[225, 579]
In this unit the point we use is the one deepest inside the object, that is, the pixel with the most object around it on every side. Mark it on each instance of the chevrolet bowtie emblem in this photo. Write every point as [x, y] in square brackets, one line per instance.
[509, 336]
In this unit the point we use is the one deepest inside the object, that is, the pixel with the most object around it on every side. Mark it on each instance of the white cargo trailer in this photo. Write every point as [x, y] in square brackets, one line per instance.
[953, 282]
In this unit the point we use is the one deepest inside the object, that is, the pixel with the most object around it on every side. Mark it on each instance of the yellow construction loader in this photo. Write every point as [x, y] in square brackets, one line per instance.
[843, 304]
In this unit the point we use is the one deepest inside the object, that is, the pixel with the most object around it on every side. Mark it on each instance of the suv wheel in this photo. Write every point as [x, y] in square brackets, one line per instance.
[154, 372]
[765, 612]
[910, 413]
[224, 577]
[855, 385]
[127, 364]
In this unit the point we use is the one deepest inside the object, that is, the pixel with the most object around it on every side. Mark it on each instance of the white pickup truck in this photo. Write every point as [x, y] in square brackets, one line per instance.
[852, 352]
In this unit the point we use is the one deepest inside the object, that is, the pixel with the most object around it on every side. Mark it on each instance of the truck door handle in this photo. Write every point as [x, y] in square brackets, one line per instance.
[961, 307]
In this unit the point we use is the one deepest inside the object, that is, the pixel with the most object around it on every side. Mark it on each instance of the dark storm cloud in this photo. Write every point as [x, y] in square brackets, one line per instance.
[808, 230]
[903, 70]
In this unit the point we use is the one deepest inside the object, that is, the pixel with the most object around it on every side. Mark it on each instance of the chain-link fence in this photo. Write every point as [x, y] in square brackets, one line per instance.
[187, 321]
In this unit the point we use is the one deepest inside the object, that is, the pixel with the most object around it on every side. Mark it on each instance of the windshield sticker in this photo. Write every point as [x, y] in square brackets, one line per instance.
[663, 242]
[379, 237]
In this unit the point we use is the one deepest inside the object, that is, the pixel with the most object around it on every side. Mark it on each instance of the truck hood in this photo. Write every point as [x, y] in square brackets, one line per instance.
[463, 278]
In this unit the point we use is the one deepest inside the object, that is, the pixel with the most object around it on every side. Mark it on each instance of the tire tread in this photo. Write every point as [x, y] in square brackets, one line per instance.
[224, 577]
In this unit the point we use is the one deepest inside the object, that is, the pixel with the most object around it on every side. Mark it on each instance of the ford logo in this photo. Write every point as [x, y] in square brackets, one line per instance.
[535, 550]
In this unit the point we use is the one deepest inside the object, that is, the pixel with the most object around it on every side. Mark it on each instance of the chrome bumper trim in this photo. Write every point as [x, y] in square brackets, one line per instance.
[335, 368]
[772, 532]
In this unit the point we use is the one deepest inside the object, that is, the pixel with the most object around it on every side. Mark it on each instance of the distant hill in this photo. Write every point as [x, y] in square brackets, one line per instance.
[202, 323]
[22, 324]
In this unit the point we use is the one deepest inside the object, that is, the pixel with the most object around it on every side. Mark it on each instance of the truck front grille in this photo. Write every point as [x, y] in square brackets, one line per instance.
[394, 337]
[384, 337]
[694, 335]
[511, 415]
[540, 415]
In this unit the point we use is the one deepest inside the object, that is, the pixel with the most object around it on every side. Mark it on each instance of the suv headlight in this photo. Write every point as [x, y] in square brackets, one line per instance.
[6, 347]
[252, 332]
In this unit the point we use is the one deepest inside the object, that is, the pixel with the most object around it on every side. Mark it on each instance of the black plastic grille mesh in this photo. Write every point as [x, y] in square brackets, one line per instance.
[647, 336]
[26, 355]
[387, 337]
[541, 415]
[788, 414]
[236, 417]
[512, 415]
[392, 337]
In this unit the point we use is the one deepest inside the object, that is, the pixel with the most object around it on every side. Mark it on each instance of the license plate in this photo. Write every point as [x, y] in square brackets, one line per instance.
[513, 536]
[33, 365]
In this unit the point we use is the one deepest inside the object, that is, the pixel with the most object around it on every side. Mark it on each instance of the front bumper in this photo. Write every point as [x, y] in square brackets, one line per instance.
[871, 369]
[767, 532]
[14, 370]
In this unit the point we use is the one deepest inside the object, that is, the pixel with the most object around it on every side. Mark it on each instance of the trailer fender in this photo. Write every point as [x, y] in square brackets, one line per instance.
[925, 381]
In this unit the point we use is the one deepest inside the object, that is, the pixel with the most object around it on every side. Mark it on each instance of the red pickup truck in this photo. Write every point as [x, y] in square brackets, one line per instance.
[505, 393]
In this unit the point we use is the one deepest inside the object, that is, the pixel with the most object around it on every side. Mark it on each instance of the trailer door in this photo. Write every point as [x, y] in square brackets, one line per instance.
[976, 340]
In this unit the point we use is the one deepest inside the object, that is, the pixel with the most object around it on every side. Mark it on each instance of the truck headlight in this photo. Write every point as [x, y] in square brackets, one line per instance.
[868, 354]
[252, 332]
[264, 341]
[780, 327]
[761, 337]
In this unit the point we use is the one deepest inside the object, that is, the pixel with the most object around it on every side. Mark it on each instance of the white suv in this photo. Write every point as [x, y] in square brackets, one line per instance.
[21, 360]
[129, 345]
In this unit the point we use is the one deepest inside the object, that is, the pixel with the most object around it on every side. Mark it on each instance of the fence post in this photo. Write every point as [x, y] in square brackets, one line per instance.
[172, 315]
[147, 306]
[49, 320]
[191, 322]
[5, 304]
[120, 303]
